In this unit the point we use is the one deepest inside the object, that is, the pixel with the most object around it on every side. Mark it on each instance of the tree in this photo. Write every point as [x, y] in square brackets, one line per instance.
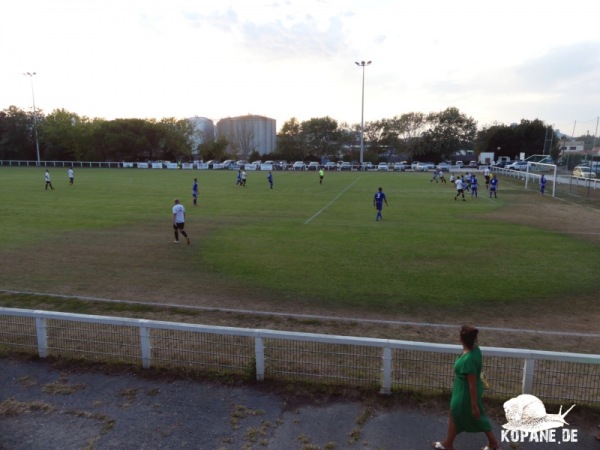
[449, 131]
[214, 150]
[17, 140]
[320, 137]
[243, 139]
[289, 140]
[528, 137]
[403, 133]
[65, 135]
[175, 139]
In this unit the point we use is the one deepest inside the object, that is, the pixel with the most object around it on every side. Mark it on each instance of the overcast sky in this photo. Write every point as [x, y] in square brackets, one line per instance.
[496, 61]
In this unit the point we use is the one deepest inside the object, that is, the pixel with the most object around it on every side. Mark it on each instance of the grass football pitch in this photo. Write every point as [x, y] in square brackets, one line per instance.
[301, 245]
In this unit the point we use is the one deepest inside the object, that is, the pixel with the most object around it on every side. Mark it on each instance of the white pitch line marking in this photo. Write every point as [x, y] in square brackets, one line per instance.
[333, 201]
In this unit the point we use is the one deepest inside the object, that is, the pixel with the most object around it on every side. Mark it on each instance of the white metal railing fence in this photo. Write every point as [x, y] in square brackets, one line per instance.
[277, 355]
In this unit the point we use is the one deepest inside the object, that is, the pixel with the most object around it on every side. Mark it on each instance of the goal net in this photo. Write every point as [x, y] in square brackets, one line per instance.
[533, 177]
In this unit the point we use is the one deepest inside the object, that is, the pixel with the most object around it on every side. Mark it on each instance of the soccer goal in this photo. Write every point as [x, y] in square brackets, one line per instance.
[534, 173]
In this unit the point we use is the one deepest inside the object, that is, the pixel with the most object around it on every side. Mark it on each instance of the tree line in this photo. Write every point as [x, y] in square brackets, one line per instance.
[437, 136]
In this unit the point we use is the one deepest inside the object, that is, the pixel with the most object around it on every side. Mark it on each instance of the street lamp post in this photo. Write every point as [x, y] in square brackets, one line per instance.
[37, 143]
[362, 64]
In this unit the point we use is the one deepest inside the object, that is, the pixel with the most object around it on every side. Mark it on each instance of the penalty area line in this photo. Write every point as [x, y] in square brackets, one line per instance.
[332, 201]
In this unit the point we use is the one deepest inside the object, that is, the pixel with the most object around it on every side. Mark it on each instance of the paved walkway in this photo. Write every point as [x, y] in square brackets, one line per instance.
[45, 408]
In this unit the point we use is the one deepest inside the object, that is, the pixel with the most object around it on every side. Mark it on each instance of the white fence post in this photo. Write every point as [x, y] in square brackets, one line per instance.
[259, 354]
[146, 348]
[528, 372]
[42, 336]
[386, 376]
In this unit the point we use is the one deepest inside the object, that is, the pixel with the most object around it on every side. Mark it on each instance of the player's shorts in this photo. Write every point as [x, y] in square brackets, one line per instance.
[178, 225]
[460, 191]
[379, 206]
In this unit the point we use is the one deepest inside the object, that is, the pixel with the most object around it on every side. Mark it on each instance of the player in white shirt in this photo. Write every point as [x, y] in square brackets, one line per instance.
[179, 221]
[459, 188]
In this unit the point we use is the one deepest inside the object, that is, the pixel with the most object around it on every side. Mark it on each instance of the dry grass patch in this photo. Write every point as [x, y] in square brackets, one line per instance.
[62, 387]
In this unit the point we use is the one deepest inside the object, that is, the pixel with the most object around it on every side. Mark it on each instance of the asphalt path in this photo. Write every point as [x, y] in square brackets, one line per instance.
[44, 407]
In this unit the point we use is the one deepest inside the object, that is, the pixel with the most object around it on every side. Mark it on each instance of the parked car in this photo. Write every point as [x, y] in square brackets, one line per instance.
[227, 163]
[474, 164]
[383, 167]
[583, 172]
[414, 164]
[313, 165]
[366, 166]
[330, 165]
[345, 166]
[399, 167]
[444, 167]
[421, 167]
[518, 165]
[298, 165]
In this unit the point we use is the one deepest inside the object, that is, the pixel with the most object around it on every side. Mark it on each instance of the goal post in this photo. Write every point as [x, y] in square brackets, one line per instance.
[535, 170]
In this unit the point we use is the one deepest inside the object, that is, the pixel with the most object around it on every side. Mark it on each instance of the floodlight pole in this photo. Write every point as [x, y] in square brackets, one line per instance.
[37, 142]
[362, 64]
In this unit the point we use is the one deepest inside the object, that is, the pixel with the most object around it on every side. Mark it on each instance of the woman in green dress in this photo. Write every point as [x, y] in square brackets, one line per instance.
[466, 406]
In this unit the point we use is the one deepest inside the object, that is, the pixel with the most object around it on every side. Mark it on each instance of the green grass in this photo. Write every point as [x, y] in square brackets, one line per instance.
[300, 243]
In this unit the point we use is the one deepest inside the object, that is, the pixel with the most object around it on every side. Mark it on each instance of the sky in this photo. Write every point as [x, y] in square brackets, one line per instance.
[496, 61]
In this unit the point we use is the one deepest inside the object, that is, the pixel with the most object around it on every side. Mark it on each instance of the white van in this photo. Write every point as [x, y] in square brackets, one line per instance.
[583, 172]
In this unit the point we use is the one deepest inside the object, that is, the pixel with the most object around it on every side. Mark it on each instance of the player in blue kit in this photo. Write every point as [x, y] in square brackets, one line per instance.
[195, 191]
[270, 179]
[378, 203]
[543, 184]
[473, 186]
[493, 186]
